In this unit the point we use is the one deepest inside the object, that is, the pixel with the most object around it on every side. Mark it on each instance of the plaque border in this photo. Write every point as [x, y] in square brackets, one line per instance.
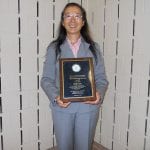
[83, 98]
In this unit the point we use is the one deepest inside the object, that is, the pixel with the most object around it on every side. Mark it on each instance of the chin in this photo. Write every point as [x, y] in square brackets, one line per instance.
[73, 31]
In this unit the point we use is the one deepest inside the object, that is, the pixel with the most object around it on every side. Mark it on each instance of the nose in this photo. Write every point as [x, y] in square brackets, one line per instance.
[73, 18]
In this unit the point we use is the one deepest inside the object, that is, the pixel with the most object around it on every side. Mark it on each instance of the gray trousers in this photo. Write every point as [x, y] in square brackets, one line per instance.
[75, 131]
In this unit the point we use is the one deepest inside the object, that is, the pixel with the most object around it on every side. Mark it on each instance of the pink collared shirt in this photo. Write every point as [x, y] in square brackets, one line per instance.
[74, 47]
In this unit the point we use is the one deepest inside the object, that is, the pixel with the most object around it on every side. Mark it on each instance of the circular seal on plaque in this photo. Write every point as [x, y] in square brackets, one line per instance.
[76, 68]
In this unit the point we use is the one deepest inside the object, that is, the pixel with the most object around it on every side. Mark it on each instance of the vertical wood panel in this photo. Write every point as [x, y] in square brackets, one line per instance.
[59, 5]
[125, 112]
[121, 28]
[11, 132]
[25, 33]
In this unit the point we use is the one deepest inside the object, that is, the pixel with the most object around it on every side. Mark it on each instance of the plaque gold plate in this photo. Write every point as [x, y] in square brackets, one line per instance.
[77, 82]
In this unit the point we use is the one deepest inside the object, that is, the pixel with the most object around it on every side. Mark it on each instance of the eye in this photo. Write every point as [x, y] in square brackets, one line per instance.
[68, 16]
[72, 15]
[77, 16]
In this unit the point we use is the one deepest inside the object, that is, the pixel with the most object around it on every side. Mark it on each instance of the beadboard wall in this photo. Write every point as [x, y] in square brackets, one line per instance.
[121, 27]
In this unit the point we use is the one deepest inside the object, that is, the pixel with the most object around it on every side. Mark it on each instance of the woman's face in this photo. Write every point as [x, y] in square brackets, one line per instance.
[73, 21]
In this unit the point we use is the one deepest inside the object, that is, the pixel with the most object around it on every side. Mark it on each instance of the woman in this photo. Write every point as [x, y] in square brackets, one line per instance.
[74, 122]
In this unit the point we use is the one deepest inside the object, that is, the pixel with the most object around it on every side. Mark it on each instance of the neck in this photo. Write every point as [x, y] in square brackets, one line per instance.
[73, 38]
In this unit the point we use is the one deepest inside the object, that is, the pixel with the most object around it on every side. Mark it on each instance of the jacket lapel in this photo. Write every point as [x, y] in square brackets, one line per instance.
[66, 51]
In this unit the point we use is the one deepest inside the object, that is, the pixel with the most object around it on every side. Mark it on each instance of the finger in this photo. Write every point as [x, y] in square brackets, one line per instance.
[92, 102]
[89, 102]
[62, 104]
[97, 96]
[66, 104]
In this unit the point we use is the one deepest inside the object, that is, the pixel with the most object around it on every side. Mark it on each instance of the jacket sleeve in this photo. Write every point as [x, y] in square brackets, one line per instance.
[48, 79]
[100, 75]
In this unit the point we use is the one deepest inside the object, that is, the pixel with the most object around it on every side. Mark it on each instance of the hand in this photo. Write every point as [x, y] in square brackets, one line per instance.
[61, 103]
[97, 101]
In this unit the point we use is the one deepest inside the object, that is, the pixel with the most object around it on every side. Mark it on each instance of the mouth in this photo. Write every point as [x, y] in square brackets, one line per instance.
[72, 26]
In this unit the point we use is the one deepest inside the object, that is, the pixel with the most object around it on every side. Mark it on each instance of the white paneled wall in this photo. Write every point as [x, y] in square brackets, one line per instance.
[121, 27]
[25, 31]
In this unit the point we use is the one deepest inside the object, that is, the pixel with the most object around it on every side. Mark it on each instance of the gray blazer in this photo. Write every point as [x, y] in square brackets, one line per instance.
[50, 77]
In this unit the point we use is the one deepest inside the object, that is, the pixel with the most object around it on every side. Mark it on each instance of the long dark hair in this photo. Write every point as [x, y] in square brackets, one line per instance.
[84, 31]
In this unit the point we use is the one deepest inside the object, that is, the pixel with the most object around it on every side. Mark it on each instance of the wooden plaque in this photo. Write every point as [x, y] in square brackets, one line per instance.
[77, 81]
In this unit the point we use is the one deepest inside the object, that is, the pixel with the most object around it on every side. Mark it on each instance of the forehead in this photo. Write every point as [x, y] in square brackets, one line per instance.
[72, 9]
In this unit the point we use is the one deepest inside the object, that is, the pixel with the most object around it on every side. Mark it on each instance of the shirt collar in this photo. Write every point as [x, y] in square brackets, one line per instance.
[75, 44]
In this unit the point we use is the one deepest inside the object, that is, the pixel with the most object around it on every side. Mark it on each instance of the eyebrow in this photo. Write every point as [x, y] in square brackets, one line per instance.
[72, 13]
